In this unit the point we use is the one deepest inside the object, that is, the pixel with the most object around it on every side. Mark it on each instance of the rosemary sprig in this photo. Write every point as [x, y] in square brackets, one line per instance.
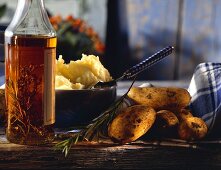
[21, 96]
[97, 128]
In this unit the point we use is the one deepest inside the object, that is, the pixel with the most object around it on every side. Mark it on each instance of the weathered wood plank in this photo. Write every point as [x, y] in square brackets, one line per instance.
[108, 155]
[122, 157]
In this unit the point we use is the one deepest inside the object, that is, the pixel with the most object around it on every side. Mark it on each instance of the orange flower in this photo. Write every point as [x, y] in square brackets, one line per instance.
[100, 48]
[79, 26]
[69, 18]
[55, 19]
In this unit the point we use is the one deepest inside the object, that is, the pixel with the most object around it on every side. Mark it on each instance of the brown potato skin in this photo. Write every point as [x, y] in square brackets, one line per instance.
[165, 125]
[160, 98]
[183, 114]
[192, 128]
[168, 117]
[131, 123]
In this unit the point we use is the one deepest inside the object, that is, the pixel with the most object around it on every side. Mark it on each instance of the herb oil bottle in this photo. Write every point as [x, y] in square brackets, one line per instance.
[30, 54]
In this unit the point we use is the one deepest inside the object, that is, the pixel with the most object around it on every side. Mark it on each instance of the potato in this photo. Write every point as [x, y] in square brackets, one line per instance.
[165, 124]
[131, 123]
[167, 118]
[192, 128]
[183, 114]
[160, 98]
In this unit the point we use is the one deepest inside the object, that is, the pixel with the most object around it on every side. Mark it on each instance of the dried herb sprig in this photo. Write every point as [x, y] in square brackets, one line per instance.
[97, 128]
[21, 93]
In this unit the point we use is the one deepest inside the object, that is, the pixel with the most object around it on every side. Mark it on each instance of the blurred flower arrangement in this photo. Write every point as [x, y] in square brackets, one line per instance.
[76, 37]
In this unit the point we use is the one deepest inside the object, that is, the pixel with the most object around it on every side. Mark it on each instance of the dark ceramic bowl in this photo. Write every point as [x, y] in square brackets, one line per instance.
[79, 107]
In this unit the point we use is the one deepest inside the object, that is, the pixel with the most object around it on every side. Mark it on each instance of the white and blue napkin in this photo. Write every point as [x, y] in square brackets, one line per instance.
[205, 89]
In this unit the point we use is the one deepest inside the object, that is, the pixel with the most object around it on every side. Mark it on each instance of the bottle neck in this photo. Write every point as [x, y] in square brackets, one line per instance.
[34, 12]
[33, 7]
[30, 19]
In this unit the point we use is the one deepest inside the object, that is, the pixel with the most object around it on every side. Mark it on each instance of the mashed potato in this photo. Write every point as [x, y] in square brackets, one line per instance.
[80, 74]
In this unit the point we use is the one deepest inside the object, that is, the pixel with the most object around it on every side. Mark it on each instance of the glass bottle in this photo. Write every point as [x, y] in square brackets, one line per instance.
[30, 54]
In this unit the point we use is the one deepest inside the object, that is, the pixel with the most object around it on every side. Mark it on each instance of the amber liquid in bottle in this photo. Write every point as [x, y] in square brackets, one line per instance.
[30, 88]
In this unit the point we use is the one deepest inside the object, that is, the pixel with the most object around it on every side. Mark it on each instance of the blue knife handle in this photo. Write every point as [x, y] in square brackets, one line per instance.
[133, 71]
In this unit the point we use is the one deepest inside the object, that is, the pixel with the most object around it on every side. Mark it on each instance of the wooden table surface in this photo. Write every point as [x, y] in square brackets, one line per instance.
[138, 155]
[142, 154]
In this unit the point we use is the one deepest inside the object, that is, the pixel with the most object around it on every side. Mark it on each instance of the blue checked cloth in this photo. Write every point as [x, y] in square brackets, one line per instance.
[205, 89]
